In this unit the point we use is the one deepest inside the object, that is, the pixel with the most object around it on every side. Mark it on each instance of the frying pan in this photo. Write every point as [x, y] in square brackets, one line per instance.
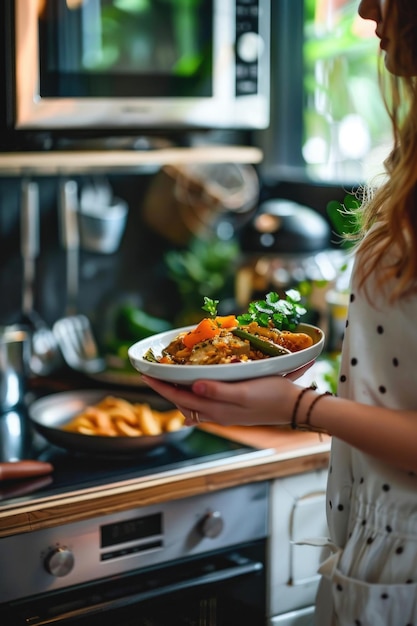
[49, 414]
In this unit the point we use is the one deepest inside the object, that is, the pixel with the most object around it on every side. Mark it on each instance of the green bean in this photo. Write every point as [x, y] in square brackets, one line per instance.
[265, 346]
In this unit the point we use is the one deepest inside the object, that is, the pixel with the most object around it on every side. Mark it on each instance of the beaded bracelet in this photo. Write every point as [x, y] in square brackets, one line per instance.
[294, 424]
[310, 410]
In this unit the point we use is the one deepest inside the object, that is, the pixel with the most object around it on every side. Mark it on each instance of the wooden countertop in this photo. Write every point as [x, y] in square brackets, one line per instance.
[289, 452]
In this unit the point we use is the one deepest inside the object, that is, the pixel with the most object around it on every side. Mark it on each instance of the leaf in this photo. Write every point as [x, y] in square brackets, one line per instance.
[210, 306]
[344, 218]
[283, 314]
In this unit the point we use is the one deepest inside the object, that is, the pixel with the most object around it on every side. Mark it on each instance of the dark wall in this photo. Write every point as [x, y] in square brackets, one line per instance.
[137, 267]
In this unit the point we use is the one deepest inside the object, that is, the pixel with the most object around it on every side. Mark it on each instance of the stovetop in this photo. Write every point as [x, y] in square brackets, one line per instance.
[76, 472]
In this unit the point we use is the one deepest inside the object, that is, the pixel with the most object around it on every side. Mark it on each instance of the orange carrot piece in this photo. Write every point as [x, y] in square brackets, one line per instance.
[226, 321]
[206, 329]
[166, 359]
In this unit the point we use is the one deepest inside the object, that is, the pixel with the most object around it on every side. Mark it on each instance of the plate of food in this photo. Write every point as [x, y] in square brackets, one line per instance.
[95, 421]
[267, 340]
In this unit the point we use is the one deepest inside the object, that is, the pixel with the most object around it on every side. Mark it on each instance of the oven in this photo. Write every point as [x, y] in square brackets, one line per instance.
[196, 561]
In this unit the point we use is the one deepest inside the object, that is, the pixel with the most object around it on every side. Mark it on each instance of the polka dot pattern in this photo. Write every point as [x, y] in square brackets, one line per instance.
[378, 524]
[354, 360]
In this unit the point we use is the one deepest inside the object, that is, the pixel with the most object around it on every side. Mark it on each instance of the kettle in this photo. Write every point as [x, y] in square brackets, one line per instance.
[15, 354]
[285, 244]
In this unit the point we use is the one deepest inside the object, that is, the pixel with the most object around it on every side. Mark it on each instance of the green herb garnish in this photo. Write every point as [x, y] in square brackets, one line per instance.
[283, 314]
[210, 306]
[150, 356]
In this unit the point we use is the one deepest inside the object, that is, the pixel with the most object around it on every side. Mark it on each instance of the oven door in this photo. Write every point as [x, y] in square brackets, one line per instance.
[223, 588]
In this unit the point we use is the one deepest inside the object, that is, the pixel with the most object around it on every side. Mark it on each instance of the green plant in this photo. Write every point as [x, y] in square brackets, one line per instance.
[345, 219]
[204, 269]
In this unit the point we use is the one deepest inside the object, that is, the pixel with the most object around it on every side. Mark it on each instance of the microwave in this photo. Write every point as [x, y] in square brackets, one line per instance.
[140, 65]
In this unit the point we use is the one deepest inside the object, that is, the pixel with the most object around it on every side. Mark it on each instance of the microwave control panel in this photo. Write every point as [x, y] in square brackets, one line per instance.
[249, 46]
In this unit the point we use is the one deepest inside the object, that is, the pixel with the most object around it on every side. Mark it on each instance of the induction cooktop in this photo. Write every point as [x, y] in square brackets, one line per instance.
[80, 472]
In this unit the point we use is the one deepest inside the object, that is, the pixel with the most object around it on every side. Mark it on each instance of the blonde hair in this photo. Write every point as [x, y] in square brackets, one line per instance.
[388, 215]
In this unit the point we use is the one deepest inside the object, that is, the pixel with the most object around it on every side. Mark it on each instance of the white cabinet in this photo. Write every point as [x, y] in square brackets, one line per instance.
[297, 513]
[300, 617]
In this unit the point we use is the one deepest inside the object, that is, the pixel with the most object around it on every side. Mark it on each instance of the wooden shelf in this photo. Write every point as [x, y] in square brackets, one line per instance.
[81, 162]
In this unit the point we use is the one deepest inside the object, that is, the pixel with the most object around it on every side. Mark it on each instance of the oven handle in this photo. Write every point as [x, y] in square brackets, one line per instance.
[249, 567]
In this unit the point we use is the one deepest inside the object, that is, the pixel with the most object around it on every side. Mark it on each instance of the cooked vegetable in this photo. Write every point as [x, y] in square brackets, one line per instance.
[265, 346]
[206, 329]
[265, 331]
[226, 321]
[150, 356]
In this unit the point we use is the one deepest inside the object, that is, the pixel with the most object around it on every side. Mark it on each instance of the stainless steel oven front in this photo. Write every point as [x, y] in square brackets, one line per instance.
[199, 561]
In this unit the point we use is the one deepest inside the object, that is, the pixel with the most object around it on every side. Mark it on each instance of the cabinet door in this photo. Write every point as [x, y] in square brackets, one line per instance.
[297, 513]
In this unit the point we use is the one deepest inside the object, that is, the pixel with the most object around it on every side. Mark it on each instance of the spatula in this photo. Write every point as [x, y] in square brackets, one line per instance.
[73, 332]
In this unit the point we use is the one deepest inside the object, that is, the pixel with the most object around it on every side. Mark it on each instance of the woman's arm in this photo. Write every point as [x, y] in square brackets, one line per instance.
[386, 434]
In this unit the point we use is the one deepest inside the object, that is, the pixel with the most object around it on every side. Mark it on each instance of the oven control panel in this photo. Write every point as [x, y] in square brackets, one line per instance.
[141, 537]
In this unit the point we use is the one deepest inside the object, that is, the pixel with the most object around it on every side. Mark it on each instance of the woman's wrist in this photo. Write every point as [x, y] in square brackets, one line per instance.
[304, 407]
[299, 405]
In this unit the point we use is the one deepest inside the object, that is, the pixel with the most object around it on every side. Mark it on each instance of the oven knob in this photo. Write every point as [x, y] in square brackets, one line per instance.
[59, 561]
[211, 525]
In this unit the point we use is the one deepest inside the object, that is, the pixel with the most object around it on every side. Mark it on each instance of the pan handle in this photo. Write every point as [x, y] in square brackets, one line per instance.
[18, 470]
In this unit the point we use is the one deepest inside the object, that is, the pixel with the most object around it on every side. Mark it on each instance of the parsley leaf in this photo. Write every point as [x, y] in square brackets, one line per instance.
[210, 306]
[283, 314]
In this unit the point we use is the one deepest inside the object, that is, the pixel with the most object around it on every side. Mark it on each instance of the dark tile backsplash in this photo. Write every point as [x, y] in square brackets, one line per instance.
[137, 267]
[136, 272]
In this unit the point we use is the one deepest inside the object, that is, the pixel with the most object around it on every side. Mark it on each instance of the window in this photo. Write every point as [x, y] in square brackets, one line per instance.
[328, 121]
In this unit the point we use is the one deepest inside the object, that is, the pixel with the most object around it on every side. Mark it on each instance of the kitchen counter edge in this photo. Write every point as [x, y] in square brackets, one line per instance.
[286, 453]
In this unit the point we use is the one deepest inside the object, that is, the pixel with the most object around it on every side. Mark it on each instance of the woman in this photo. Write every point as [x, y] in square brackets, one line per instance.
[371, 578]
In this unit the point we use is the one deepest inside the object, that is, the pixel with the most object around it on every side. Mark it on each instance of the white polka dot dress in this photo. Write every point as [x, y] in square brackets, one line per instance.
[371, 580]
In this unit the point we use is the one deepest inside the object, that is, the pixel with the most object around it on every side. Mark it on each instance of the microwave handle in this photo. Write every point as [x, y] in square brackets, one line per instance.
[247, 568]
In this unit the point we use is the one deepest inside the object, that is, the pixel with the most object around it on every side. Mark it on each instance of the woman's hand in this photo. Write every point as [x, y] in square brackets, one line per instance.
[261, 401]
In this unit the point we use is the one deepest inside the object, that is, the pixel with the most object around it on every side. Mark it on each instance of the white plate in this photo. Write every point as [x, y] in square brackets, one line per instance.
[187, 374]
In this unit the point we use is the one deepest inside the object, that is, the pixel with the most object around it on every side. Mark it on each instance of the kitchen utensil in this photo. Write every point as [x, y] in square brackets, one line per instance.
[15, 354]
[97, 190]
[78, 345]
[45, 354]
[284, 245]
[187, 374]
[200, 200]
[102, 226]
[50, 413]
[102, 218]
[73, 333]
[16, 435]
[19, 470]
[286, 227]
[68, 209]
